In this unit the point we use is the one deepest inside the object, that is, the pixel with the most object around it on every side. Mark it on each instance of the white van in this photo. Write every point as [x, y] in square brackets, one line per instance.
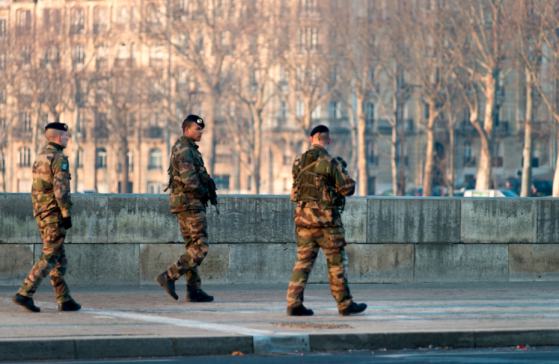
[490, 193]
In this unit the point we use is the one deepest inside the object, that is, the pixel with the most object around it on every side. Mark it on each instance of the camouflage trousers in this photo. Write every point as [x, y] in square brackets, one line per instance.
[194, 231]
[53, 260]
[309, 241]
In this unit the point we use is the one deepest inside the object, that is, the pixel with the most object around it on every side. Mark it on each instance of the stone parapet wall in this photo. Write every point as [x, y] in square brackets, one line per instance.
[128, 239]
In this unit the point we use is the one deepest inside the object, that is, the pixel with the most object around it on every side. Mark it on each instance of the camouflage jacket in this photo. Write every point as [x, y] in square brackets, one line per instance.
[51, 182]
[326, 212]
[187, 177]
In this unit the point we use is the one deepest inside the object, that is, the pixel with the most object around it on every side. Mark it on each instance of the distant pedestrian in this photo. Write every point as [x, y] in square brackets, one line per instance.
[52, 209]
[320, 185]
[190, 190]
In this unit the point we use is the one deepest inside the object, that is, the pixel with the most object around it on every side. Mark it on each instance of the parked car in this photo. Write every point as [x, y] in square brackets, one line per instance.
[437, 191]
[511, 183]
[542, 188]
[391, 193]
[490, 193]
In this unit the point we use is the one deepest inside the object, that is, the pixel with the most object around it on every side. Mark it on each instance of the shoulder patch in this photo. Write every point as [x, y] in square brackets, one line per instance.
[64, 166]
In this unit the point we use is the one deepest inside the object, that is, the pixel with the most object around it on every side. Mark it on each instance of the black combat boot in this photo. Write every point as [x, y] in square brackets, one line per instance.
[167, 284]
[70, 305]
[299, 311]
[197, 295]
[353, 309]
[25, 302]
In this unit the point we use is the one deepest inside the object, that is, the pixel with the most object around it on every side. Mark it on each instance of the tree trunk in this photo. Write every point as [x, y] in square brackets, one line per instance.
[451, 157]
[257, 119]
[393, 161]
[74, 155]
[556, 175]
[208, 140]
[3, 169]
[429, 163]
[430, 153]
[483, 180]
[124, 177]
[525, 190]
[361, 146]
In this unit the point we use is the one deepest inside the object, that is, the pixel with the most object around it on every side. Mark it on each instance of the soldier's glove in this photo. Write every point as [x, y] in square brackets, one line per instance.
[344, 163]
[66, 222]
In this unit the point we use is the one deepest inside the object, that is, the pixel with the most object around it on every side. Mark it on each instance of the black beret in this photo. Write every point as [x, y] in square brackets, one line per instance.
[57, 126]
[198, 120]
[320, 129]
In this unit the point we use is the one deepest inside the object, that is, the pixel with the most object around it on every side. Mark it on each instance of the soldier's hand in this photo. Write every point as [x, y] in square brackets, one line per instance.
[66, 222]
[344, 163]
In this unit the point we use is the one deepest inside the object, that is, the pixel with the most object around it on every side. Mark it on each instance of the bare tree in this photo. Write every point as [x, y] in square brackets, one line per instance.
[360, 68]
[540, 56]
[203, 34]
[432, 65]
[487, 41]
[306, 78]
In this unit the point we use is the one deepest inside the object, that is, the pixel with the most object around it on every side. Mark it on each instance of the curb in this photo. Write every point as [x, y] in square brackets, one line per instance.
[113, 347]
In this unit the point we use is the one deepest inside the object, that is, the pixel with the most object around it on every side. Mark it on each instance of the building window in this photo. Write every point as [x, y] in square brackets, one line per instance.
[25, 56]
[372, 158]
[2, 28]
[79, 54]
[2, 61]
[299, 109]
[24, 22]
[369, 115]
[101, 22]
[249, 184]
[3, 97]
[79, 158]
[222, 181]
[155, 159]
[78, 22]
[154, 188]
[156, 56]
[315, 114]
[308, 5]
[468, 158]
[122, 18]
[2, 161]
[308, 39]
[101, 158]
[24, 157]
[283, 110]
[287, 159]
[25, 121]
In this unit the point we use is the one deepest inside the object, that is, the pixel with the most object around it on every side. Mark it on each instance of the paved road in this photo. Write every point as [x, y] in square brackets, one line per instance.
[490, 356]
[256, 309]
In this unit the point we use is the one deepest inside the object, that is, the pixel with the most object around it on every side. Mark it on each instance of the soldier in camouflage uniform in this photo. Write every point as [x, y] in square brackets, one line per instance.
[320, 185]
[52, 210]
[188, 184]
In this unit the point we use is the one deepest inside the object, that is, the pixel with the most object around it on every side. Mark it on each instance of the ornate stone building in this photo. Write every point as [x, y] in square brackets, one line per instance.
[108, 39]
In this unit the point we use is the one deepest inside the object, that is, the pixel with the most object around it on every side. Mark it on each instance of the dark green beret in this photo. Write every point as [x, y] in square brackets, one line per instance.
[57, 126]
[198, 120]
[320, 129]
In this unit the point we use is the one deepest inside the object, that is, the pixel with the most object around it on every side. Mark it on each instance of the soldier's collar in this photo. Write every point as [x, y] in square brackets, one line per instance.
[319, 147]
[189, 141]
[57, 146]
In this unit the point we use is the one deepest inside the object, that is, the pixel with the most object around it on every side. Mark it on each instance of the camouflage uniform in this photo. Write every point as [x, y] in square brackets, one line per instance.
[51, 202]
[319, 224]
[188, 197]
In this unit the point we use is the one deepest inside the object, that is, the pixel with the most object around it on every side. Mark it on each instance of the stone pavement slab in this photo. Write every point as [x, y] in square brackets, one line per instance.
[128, 321]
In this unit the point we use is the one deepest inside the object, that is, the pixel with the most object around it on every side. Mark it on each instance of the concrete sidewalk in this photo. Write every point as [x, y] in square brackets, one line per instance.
[144, 321]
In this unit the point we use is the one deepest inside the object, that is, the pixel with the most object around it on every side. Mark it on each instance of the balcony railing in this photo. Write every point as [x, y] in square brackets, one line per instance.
[154, 132]
[124, 62]
[100, 28]
[77, 29]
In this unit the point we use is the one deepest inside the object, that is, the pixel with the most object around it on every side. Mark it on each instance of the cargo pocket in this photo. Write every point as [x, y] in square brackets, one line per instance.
[334, 237]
